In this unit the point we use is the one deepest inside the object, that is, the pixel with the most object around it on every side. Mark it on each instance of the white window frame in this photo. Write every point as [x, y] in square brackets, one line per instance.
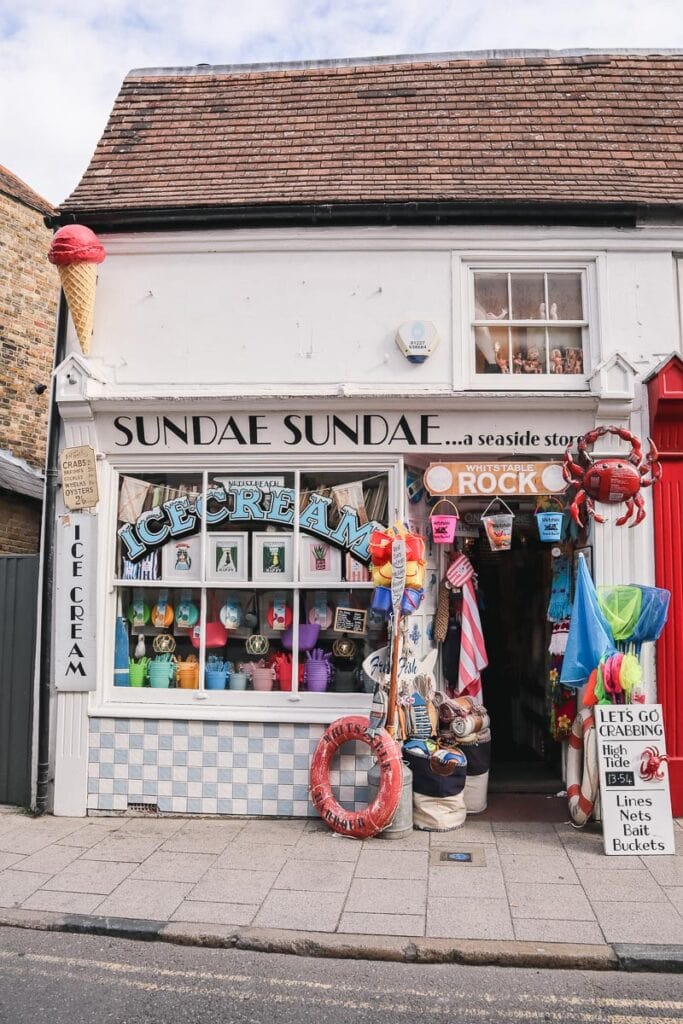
[108, 700]
[540, 264]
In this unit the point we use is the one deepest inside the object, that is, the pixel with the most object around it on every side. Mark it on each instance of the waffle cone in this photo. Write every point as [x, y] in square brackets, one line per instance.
[79, 281]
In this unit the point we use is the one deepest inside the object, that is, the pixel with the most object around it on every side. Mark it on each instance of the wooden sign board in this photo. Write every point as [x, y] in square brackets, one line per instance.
[634, 780]
[486, 479]
[79, 478]
[351, 620]
[75, 650]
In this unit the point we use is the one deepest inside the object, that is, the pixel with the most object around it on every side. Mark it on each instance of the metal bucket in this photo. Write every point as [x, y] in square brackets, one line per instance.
[402, 822]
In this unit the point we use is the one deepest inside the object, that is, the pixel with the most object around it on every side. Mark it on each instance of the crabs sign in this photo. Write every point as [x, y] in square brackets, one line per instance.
[612, 478]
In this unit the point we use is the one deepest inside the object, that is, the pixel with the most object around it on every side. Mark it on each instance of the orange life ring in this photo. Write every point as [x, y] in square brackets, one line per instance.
[375, 817]
[582, 763]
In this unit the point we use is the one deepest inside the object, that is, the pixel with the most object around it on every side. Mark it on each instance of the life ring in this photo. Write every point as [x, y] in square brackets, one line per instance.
[358, 824]
[582, 763]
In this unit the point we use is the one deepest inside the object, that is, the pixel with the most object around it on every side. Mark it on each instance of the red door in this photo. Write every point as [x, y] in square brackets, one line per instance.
[665, 391]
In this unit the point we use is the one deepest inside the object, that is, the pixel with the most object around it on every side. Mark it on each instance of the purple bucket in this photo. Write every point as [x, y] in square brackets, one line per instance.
[308, 636]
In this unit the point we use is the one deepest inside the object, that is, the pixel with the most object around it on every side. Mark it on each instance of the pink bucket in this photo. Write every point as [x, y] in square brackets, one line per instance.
[443, 525]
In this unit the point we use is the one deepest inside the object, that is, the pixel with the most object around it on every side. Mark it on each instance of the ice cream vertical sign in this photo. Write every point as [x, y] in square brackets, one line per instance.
[76, 252]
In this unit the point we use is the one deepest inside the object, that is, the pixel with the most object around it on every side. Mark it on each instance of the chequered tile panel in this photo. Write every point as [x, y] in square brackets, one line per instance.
[215, 767]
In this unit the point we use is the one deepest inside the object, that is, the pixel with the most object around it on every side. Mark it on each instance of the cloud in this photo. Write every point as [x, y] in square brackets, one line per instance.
[63, 62]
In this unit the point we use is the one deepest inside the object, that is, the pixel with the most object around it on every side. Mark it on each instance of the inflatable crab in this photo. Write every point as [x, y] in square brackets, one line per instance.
[612, 478]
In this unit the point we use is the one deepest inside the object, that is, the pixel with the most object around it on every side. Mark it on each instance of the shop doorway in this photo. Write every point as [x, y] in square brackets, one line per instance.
[514, 590]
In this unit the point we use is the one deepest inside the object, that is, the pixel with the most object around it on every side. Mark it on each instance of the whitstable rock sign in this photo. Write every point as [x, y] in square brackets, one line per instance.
[634, 780]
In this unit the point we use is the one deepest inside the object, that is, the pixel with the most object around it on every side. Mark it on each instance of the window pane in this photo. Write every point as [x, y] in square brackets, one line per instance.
[365, 494]
[492, 350]
[158, 629]
[250, 520]
[333, 660]
[566, 354]
[528, 350]
[564, 297]
[159, 503]
[528, 297]
[491, 296]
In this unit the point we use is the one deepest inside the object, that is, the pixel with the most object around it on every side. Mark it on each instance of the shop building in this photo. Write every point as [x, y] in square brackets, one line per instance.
[278, 239]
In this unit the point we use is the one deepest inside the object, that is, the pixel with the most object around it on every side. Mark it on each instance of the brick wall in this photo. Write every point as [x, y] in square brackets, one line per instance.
[19, 524]
[29, 292]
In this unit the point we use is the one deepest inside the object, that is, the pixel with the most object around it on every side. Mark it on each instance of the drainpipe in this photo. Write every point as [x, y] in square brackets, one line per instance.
[47, 574]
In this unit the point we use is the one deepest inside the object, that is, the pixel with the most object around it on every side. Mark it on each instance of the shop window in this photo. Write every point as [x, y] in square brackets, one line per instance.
[530, 323]
[227, 582]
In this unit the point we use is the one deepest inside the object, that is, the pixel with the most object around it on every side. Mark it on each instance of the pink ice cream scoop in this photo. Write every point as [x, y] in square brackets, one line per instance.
[76, 251]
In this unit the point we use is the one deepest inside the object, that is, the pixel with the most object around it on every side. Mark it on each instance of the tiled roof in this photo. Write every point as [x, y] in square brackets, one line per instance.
[582, 129]
[17, 189]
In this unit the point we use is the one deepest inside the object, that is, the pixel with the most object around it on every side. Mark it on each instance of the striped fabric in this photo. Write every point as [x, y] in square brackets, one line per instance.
[473, 657]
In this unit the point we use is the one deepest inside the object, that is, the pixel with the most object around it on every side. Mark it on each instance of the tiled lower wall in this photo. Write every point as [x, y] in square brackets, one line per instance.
[214, 767]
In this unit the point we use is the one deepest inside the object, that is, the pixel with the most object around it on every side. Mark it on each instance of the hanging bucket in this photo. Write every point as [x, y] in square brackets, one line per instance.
[443, 525]
[550, 524]
[498, 526]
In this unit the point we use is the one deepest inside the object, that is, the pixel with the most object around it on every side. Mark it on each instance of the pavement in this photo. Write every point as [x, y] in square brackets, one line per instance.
[540, 894]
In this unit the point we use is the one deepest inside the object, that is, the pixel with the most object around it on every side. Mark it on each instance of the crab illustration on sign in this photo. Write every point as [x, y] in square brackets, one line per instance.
[612, 478]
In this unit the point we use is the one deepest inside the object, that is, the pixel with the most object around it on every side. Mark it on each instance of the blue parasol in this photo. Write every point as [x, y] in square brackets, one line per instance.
[590, 637]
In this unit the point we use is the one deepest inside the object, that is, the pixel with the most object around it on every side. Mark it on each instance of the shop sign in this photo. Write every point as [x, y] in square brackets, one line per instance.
[79, 477]
[181, 516]
[506, 431]
[485, 479]
[634, 780]
[75, 650]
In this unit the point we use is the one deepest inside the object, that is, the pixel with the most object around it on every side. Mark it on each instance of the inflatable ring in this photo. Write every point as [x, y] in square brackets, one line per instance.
[369, 822]
[582, 763]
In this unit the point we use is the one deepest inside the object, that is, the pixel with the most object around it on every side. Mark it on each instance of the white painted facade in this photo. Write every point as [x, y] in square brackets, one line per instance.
[299, 321]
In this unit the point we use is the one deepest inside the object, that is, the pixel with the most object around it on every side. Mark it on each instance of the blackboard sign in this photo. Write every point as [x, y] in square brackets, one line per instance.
[351, 620]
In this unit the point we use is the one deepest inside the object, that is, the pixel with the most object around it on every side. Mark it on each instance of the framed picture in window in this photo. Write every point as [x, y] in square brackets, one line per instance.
[227, 557]
[271, 557]
[319, 562]
[180, 559]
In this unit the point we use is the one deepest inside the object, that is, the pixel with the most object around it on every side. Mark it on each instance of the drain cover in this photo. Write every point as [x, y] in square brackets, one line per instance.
[476, 855]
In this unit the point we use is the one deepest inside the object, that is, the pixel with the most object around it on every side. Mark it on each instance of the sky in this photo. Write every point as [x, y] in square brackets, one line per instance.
[62, 61]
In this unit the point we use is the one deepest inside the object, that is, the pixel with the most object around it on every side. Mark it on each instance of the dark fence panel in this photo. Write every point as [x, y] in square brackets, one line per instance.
[18, 597]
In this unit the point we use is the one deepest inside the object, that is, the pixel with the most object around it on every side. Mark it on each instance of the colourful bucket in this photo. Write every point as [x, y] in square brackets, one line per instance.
[216, 679]
[550, 525]
[443, 525]
[187, 674]
[498, 526]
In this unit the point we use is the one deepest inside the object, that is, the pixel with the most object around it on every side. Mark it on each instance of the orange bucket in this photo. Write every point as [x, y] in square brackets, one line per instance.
[187, 673]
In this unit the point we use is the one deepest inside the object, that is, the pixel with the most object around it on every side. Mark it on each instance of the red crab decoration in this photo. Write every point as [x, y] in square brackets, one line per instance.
[611, 478]
[651, 765]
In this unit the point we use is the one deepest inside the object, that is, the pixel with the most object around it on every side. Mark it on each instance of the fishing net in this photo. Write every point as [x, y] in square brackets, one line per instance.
[653, 615]
[621, 607]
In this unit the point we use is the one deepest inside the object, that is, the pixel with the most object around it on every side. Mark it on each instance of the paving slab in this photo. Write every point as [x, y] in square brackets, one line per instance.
[120, 847]
[465, 878]
[312, 876]
[238, 886]
[283, 833]
[382, 924]
[163, 866]
[553, 868]
[215, 913]
[144, 899]
[634, 886]
[63, 902]
[328, 846]
[89, 876]
[259, 856]
[542, 900]
[202, 840]
[658, 923]
[50, 859]
[17, 886]
[8, 859]
[377, 862]
[379, 897]
[674, 893]
[538, 930]
[665, 870]
[468, 919]
[286, 909]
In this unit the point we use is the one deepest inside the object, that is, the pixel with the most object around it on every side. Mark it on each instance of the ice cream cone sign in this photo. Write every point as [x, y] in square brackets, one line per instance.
[76, 251]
